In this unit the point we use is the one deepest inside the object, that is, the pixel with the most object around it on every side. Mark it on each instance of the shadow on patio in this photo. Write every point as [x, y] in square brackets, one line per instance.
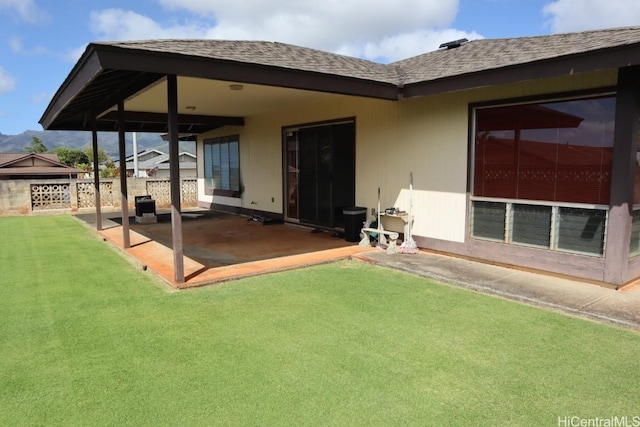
[220, 246]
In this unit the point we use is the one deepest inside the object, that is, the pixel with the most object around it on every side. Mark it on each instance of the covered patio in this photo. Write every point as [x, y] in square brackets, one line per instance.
[189, 87]
[220, 246]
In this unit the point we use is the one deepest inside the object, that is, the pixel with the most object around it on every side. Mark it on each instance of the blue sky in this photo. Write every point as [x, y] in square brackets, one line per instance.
[40, 40]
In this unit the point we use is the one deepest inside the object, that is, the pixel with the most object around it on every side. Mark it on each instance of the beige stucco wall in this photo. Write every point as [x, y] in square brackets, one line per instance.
[428, 136]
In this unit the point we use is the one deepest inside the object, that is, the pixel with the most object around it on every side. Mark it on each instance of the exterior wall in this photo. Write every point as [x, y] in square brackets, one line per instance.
[429, 136]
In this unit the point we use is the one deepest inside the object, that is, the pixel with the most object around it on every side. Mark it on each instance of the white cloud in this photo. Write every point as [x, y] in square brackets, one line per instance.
[40, 98]
[118, 24]
[25, 9]
[329, 22]
[579, 15]
[406, 45]
[374, 29]
[16, 46]
[7, 82]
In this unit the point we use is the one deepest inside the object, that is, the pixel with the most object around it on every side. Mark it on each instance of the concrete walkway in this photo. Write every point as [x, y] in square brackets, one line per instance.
[617, 307]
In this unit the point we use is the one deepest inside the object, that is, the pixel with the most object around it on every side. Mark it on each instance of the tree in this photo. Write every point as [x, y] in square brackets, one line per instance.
[110, 170]
[36, 146]
[102, 155]
[71, 156]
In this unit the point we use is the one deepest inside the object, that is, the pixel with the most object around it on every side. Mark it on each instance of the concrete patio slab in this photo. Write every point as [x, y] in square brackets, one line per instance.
[220, 246]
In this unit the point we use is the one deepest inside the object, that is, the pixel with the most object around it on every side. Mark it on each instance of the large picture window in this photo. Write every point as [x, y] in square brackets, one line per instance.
[222, 166]
[555, 151]
[542, 173]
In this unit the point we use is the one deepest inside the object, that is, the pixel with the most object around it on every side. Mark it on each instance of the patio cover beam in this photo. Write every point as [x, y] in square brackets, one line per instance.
[186, 119]
[174, 178]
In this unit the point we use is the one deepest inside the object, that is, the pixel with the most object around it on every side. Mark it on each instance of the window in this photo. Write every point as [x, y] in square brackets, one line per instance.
[634, 246]
[222, 166]
[553, 227]
[542, 174]
[487, 220]
[555, 151]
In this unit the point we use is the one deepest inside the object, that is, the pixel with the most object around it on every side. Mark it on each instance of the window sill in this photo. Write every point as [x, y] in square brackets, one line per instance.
[224, 193]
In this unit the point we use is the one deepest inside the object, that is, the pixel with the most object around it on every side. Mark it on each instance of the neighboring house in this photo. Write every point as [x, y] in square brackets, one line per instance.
[153, 163]
[523, 150]
[35, 166]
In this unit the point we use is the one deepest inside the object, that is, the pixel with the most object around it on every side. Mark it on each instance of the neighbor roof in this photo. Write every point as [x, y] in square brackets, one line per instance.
[7, 159]
[14, 164]
[109, 72]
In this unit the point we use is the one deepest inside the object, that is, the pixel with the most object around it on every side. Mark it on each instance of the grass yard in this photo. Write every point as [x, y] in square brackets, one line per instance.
[88, 339]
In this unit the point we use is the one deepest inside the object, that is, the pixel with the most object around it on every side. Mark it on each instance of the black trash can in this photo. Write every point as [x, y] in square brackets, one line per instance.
[145, 205]
[354, 218]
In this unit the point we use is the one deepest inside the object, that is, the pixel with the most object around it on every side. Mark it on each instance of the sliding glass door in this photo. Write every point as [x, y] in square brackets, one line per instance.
[320, 173]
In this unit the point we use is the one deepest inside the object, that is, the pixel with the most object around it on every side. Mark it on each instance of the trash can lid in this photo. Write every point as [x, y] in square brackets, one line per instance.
[354, 210]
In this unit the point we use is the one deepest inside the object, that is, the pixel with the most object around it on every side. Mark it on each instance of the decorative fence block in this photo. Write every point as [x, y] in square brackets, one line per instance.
[189, 192]
[50, 196]
[87, 194]
[160, 191]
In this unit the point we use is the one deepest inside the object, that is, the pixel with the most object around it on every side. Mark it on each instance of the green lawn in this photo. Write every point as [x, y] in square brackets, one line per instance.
[88, 339]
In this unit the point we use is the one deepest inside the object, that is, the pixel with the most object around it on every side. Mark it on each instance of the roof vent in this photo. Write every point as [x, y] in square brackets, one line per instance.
[454, 44]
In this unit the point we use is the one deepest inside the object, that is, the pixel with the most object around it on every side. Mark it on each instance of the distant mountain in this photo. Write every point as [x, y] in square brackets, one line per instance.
[81, 140]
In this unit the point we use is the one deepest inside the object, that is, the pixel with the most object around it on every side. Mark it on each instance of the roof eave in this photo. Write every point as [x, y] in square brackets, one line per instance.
[590, 61]
[171, 63]
[102, 58]
[85, 70]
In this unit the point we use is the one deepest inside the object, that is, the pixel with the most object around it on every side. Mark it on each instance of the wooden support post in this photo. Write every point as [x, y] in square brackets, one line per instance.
[124, 199]
[623, 171]
[96, 177]
[174, 176]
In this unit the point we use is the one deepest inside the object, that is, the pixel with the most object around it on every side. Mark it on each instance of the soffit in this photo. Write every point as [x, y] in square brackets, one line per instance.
[216, 98]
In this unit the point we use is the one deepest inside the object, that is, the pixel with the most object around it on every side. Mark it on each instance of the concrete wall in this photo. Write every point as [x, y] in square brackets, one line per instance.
[15, 195]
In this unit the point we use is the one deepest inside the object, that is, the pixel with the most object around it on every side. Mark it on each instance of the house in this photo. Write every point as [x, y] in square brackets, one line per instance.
[153, 163]
[524, 151]
[35, 166]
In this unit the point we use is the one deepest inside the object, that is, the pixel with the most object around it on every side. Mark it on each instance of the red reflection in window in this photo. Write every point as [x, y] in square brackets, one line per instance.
[557, 151]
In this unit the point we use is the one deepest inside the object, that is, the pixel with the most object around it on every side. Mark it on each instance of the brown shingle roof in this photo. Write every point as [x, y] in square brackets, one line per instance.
[474, 56]
[487, 54]
[271, 54]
